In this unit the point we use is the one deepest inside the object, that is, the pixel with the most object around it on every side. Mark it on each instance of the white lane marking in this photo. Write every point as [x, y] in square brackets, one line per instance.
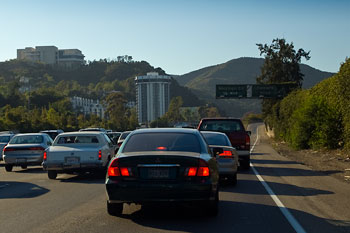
[295, 224]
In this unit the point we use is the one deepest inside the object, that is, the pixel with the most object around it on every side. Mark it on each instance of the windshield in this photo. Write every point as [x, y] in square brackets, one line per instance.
[162, 142]
[4, 139]
[216, 139]
[222, 126]
[27, 139]
[124, 135]
[77, 139]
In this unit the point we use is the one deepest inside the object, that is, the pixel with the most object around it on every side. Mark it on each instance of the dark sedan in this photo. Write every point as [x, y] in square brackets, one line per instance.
[163, 165]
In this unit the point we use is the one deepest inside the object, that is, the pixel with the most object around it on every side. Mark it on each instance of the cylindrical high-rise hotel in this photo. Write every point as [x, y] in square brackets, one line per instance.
[152, 96]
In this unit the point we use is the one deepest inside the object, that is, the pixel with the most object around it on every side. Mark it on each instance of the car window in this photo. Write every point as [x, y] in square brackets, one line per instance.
[27, 139]
[4, 139]
[221, 126]
[124, 135]
[216, 139]
[162, 142]
[77, 139]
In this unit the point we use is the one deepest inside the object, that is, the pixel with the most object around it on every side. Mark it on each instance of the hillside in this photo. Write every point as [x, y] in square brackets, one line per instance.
[102, 76]
[237, 71]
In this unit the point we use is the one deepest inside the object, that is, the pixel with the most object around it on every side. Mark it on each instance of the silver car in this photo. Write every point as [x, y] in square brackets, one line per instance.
[226, 155]
[78, 152]
[25, 149]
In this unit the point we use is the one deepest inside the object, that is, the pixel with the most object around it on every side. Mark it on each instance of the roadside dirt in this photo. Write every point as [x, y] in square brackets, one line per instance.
[335, 163]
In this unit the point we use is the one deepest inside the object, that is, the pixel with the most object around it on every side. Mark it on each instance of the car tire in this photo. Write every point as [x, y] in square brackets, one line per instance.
[233, 179]
[8, 167]
[52, 174]
[115, 209]
[245, 164]
[24, 166]
[213, 206]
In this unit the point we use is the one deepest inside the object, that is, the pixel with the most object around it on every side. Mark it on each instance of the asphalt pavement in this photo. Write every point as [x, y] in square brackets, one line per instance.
[299, 200]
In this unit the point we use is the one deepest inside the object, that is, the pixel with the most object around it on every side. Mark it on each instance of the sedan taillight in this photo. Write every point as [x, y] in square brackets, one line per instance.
[45, 156]
[6, 149]
[36, 148]
[115, 170]
[99, 155]
[201, 170]
[226, 154]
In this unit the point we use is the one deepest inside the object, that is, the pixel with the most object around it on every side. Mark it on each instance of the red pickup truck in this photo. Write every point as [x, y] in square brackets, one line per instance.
[235, 131]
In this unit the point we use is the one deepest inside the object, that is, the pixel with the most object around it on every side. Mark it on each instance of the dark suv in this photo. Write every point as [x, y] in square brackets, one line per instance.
[235, 131]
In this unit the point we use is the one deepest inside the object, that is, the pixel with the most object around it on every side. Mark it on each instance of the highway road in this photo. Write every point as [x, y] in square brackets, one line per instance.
[275, 195]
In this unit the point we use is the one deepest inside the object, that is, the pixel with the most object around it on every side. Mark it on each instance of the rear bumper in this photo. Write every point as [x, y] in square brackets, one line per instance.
[72, 167]
[146, 192]
[243, 155]
[227, 166]
[22, 160]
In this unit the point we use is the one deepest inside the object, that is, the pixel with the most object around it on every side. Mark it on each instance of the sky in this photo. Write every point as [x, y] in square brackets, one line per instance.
[178, 36]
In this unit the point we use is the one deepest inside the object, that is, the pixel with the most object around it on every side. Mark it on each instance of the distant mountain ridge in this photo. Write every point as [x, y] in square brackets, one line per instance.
[237, 71]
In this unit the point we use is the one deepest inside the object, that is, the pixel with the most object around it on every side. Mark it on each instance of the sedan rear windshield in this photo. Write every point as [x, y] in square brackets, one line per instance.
[216, 139]
[77, 139]
[162, 142]
[27, 139]
[5, 139]
[222, 125]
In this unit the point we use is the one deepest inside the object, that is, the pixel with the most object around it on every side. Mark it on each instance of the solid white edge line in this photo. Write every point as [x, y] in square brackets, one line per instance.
[295, 224]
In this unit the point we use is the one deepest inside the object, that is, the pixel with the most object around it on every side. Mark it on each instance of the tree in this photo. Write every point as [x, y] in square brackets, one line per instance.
[173, 115]
[116, 110]
[281, 66]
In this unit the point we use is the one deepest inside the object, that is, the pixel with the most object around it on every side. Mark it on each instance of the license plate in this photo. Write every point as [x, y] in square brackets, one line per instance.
[72, 160]
[158, 173]
[21, 160]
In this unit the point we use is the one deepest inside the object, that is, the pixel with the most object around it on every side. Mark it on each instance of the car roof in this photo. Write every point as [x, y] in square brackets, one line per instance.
[30, 134]
[51, 130]
[81, 133]
[166, 130]
[7, 134]
[213, 132]
[220, 118]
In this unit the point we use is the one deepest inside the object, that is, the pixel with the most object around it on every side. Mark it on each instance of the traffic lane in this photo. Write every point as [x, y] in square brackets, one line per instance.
[38, 200]
[317, 201]
[243, 208]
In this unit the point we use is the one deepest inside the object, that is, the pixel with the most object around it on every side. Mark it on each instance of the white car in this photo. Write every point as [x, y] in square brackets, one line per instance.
[78, 152]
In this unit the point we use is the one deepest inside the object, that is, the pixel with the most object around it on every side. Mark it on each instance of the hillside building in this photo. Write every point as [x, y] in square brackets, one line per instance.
[88, 106]
[64, 58]
[152, 96]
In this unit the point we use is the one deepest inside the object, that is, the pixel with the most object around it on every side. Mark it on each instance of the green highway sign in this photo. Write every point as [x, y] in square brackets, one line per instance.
[254, 91]
[272, 90]
[231, 91]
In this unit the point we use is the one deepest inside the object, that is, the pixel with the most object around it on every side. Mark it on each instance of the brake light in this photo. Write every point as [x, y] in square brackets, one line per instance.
[119, 144]
[161, 148]
[113, 169]
[226, 153]
[36, 148]
[99, 155]
[192, 171]
[124, 171]
[247, 140]
[8, 149]
[201, 170]
[45, 156]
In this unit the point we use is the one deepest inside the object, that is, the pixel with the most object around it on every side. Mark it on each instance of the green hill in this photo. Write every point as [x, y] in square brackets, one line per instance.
[237, 71]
